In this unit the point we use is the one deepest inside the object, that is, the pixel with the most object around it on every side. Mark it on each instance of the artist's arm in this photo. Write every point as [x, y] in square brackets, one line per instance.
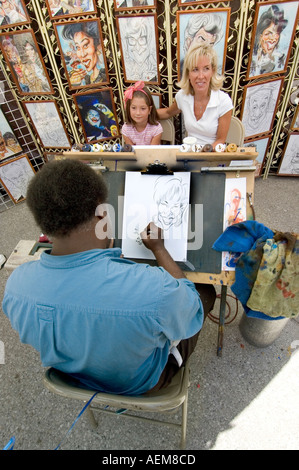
[167, 113]
[152, 238]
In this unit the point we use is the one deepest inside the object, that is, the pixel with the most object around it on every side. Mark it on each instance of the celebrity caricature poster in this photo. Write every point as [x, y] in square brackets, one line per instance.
[162, 199]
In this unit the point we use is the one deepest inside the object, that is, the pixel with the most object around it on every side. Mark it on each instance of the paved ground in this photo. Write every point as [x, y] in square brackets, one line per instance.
[246, 399]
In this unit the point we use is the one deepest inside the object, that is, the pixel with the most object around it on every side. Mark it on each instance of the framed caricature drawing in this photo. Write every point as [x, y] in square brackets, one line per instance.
[97, 114]
[48, 124]
[23, 56]
[262, 145]
[290, 161]
[15, 176]
[70, 8]
[206, 26]
[81, 47]
[134, 4]
[13, 13]
[138, 35]
[194, 2]
[9, 144]
[259, 106]
[272, 38]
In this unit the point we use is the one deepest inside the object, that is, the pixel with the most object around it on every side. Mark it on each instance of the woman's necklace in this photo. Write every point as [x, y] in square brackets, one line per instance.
[200, 106]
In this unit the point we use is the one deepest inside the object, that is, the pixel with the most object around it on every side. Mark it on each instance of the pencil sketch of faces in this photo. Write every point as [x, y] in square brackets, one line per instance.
[48, 124]
[172, 199]
[139, 48]
[259, 108]
[290, 163]
[16, 175]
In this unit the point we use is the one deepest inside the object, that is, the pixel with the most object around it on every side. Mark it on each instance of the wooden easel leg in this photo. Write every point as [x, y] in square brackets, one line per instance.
[221, 320]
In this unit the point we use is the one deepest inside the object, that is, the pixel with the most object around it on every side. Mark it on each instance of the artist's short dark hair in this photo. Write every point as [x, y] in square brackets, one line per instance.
[63, 195]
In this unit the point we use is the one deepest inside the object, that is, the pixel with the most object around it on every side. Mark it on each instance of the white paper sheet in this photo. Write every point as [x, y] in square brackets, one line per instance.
[163, 200]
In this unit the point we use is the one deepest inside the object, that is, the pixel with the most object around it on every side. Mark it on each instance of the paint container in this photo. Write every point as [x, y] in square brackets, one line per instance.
[220, 148]
[86, 148]
[190, 141]
[76, 148]
[116, 148]
[96, 148]
[127, 148]
[261, 333]
[107, 148]
[208, 148]
[196, 148]
[185, 148]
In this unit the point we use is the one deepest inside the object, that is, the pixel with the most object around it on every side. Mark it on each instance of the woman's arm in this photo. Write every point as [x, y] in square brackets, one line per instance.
[166, 113]
[223, 127]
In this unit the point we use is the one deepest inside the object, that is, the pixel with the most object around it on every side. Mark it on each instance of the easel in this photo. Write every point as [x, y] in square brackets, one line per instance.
[175, 160]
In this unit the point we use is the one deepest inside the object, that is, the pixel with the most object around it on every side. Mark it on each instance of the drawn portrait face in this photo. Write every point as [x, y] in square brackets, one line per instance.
[93, 117]
[269, 38]
[30, 52]
[86, 50]
[171, 199]
[258, 107]
[137, 42]
[11, 51]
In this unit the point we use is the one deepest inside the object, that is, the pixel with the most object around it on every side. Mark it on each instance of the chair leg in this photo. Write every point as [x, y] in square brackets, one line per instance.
[184, 424]
[91, 417]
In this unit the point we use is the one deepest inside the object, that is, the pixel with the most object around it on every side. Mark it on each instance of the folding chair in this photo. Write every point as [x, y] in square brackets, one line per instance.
[236, 132]
[169, 398]
[168, 134]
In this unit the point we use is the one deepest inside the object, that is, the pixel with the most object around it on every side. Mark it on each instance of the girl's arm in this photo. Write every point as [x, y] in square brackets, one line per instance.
[223, 127]
[127, 140]
[156, 140]
[166, 113]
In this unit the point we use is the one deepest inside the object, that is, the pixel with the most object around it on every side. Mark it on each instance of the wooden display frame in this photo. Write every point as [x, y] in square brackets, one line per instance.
[139, 26]
[46, 129]
[82, 52]
[261, 25]
[16, 182]
[99, 101]
[75, 11]
[23, 72]
[209, 21]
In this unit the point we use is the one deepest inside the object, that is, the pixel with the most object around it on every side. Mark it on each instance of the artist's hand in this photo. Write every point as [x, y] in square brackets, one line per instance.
[152, 237]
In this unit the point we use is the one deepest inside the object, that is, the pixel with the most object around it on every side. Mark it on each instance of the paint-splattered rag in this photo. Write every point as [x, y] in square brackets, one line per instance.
[267, 271]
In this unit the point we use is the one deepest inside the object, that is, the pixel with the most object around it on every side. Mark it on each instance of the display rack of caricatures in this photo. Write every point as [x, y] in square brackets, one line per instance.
[72, 61]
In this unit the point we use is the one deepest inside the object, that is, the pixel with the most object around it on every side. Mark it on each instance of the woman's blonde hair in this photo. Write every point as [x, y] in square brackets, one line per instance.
[195, 51]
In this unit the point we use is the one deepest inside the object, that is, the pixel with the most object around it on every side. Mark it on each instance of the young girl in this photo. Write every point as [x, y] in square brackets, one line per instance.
[142, 126]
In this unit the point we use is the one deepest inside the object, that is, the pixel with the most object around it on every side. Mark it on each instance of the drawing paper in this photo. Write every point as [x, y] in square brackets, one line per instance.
[162, 199]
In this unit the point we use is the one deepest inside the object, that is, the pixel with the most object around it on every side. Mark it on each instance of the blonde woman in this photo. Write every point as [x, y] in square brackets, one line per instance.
[206, 109]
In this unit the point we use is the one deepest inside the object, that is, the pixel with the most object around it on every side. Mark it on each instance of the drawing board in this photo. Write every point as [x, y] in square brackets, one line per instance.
[205, 218]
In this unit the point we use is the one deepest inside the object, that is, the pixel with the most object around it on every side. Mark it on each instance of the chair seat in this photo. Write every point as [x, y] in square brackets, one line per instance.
[164, 399]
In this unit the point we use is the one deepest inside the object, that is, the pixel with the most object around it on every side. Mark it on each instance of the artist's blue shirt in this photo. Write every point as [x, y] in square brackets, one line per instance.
[106, 320]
